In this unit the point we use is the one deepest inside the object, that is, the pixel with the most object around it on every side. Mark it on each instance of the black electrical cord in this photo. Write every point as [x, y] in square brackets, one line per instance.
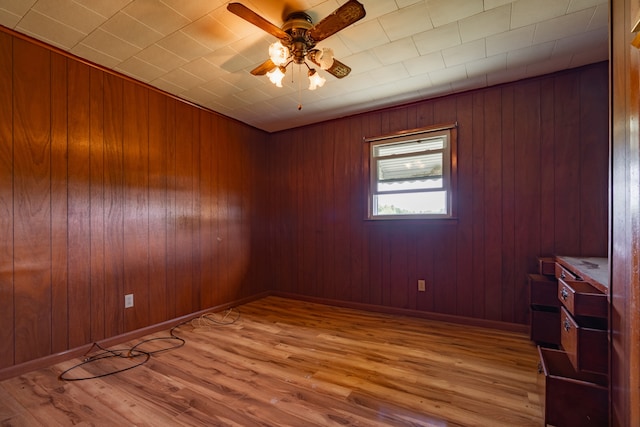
[134, 352]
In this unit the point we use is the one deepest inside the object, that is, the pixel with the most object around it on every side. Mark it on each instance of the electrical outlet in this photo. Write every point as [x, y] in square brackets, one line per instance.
[128, 301]
[422, 285]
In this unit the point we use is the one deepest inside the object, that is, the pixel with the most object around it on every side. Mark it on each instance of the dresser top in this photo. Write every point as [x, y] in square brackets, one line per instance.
[595, 270]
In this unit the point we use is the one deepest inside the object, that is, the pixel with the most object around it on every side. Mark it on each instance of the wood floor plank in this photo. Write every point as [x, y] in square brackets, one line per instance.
[294, 363]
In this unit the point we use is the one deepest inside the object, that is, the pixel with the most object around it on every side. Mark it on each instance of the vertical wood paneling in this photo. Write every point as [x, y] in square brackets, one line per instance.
[6, 202]
[309, 209]
[507, 193]
[527, 189]
[327, 219]
[170, 200]
[234, 209]
[195, 261]
[32, 200]
[424, 269]
[343, 190]
[184, 219]
[509, 274]
[114, 206]
[59, 214]
[207, 229]
[399, 288]
[464, 202]
[216, 261]
[594, 162]
[625, 216]
[283, 211]
[222, 157]
[301, 250]
[492, 205]
[79, 202]
[96, 166]
[357, 198]
[567, 164]
[548, 171]
[136, 203]
[158, 182]
[478, 291]
[110, 188]
[374, 245]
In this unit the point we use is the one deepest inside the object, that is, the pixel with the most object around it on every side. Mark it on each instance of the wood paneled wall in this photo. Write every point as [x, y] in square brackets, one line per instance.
[107, 188]
[625, 212]
[532, 180]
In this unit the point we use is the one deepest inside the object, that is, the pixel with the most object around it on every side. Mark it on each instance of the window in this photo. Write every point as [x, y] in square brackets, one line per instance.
[412, 174]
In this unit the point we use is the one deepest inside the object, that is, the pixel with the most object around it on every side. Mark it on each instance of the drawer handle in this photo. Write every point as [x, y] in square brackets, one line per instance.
[567, 325]
[539, 367]
[564, 294]
[562, 275]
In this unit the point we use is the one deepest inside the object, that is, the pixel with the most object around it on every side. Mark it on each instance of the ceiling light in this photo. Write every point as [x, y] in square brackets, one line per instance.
[276, 75]
[324, 57]
[315, 79]
[278, 54]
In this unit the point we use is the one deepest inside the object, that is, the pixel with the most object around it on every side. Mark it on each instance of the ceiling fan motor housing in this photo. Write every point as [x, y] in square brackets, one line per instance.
[297, 26]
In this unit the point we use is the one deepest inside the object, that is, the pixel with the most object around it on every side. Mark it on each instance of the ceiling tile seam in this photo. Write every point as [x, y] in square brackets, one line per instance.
[162, 36]
[17, 16]
[32, 10]
[92, 10]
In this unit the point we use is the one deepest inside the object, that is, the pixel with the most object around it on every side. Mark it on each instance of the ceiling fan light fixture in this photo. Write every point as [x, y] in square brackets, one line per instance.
[324, 57]
[278, 54]
[276, 75]
[315, 80]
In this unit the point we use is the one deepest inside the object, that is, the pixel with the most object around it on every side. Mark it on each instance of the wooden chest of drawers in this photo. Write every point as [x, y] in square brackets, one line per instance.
[576, 370]
[572, 398]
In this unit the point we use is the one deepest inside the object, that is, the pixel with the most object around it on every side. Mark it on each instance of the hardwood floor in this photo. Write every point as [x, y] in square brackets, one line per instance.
[292, 363]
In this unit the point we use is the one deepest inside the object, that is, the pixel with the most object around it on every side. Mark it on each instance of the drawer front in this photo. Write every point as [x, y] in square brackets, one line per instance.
[547, 266]
[586, 347]
[564, 274]
[572, 398]
[543, 291]
[569, 336]
[545, 326]
[582, 299]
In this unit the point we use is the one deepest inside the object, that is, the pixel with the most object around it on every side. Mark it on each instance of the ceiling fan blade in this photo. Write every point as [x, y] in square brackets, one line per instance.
[263, 68]
[338, 69]
[250, 16]
[342, 17]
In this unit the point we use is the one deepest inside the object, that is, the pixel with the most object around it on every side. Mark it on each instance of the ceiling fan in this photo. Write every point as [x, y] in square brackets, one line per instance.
[297, 40]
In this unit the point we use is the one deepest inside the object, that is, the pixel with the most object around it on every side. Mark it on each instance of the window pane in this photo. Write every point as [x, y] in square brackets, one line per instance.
[411, 204]
[418, 184]
[419, 166]
[409, 147]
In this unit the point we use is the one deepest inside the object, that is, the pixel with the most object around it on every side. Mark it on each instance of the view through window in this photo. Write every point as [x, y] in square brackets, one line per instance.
[411, 174]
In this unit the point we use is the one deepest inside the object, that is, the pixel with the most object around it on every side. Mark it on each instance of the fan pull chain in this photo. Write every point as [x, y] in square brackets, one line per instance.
[299, 88]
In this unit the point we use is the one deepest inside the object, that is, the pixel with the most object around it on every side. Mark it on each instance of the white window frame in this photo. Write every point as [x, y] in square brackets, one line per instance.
[449, 162]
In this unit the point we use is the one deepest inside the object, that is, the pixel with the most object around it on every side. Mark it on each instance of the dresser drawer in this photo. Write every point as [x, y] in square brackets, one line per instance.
[585, 344]
[547, 266]
[582, 299]
[572, 398]
[543, 291]
[545, 326]
[564, 274]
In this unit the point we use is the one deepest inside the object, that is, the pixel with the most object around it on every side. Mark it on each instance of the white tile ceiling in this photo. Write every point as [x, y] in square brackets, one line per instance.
[403, 50]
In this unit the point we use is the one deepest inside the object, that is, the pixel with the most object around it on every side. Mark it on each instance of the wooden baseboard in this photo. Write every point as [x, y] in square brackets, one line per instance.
[43, 362]
[461, 320]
